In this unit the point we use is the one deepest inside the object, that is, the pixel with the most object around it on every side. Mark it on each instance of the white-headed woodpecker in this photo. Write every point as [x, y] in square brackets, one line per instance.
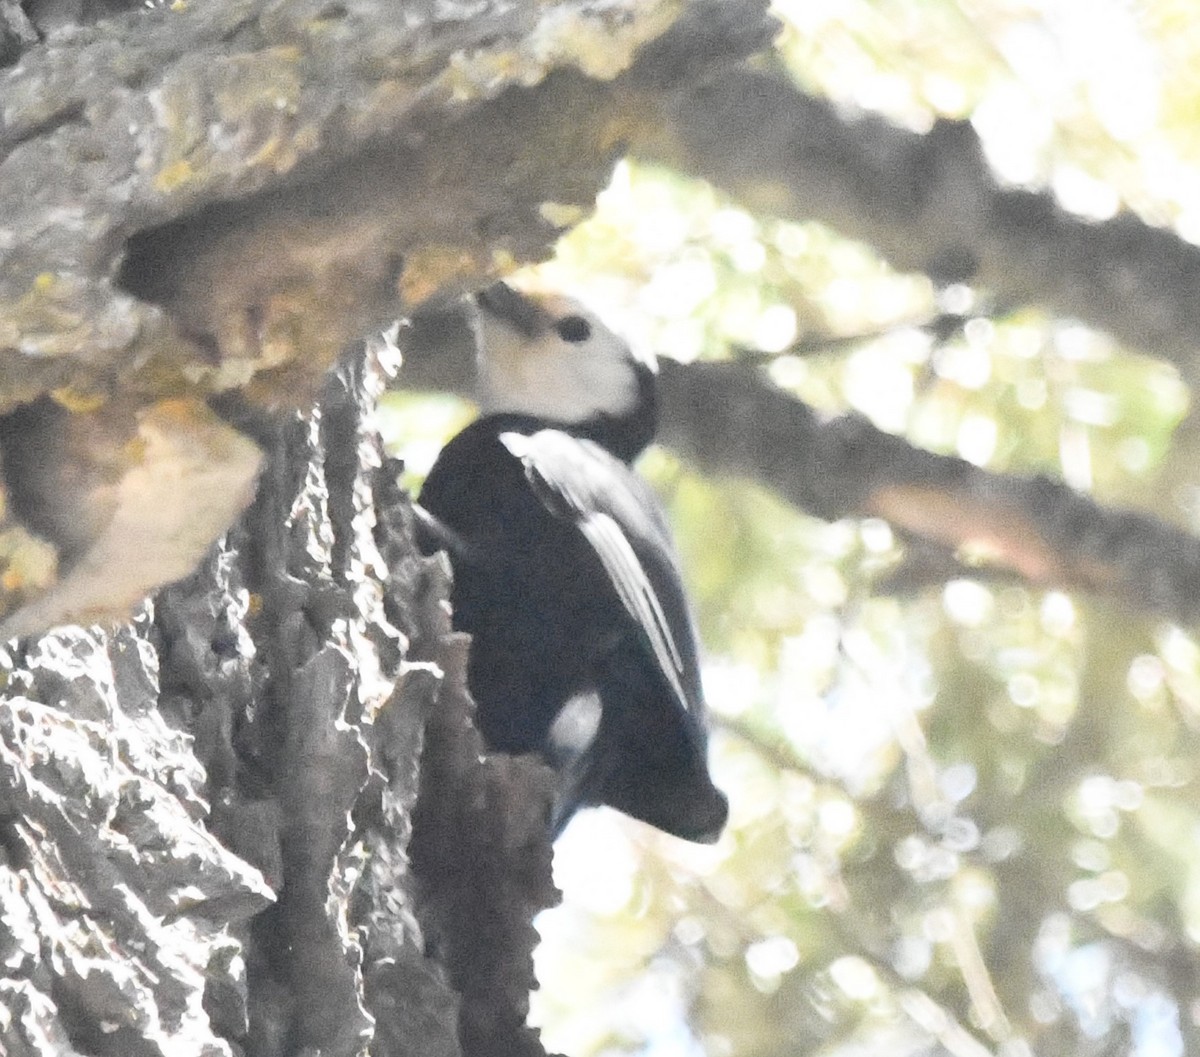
[565, 573]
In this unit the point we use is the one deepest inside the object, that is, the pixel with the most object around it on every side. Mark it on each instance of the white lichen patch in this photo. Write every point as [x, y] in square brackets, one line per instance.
[599, 39]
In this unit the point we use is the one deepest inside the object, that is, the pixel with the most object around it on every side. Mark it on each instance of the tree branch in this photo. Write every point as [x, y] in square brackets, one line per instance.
[280, 176]
[727, 419]
[930, 203]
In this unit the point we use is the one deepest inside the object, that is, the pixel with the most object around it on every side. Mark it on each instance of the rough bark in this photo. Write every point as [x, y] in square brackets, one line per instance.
[259, 821]
[281, 176]
[207, 814]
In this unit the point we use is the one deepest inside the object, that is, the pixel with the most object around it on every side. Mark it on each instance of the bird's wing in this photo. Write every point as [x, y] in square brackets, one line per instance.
[620, 518]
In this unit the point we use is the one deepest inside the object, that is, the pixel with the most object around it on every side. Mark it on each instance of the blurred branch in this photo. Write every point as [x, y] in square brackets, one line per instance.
[847, 926]
[727, 419]
[941, 328]
[927, 563]
[940, 1023]
[887, 819]
[929, 202]
[931, 812]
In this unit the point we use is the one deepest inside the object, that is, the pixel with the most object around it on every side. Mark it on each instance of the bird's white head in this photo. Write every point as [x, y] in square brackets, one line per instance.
[548, 356]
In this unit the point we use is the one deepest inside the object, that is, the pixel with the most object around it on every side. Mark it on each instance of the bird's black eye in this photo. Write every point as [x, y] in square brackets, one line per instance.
[573, 329]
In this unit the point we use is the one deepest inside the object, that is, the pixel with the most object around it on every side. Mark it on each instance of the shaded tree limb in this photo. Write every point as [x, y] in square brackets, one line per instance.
[930, 203]
[279, 177]
[726, 419]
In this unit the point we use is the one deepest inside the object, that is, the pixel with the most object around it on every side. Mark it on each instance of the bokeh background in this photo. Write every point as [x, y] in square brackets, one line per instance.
[964, 820]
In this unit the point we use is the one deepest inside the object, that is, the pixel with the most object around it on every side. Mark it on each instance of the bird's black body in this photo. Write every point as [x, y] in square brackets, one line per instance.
[566, 577]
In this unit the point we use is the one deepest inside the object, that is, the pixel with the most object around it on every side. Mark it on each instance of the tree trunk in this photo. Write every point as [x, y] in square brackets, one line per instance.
[208, 815]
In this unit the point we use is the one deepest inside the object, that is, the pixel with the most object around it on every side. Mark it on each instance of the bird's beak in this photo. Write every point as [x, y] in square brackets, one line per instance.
[522, 313]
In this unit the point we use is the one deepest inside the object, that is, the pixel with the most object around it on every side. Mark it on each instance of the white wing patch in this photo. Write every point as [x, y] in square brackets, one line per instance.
[636, 594]
[548, 451]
